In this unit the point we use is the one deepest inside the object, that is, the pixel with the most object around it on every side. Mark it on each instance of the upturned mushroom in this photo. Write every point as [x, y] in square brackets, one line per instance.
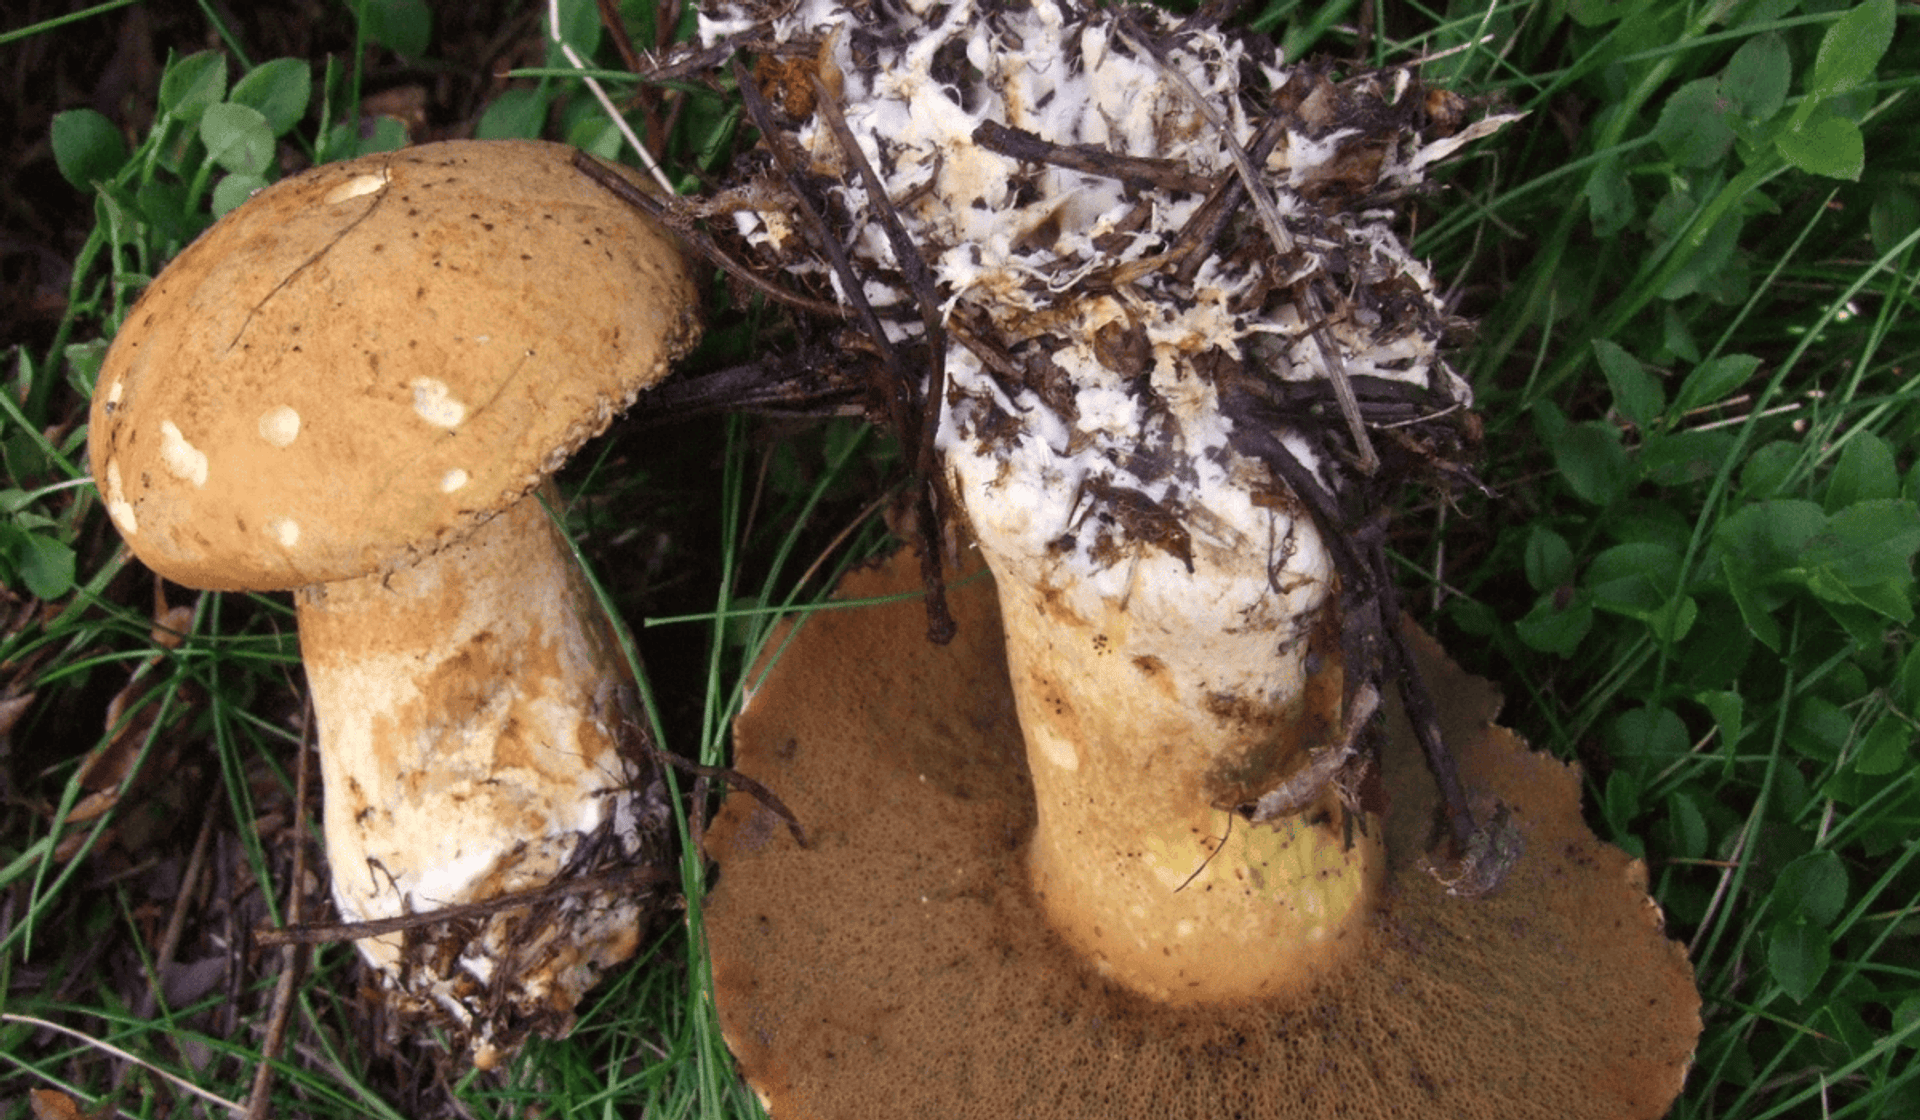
[352, 387]
[1153, 272]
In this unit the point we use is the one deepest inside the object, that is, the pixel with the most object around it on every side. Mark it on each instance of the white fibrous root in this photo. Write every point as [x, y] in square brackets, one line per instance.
[1147, 274]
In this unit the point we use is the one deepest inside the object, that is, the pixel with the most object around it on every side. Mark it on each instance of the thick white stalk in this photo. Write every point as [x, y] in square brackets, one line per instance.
[472, 713]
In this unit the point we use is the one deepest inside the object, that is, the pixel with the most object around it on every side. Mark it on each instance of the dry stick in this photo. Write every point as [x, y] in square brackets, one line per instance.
[290, 960]
[769, 386]
[940, 626]
[320, 933]
[622, 188]
[913, 266]
[1210, 221]
[1419, 704]
[1363, 570]
[176, 921]
[1263, 204]
[1018, 143]
[735, 779]
[758, 112]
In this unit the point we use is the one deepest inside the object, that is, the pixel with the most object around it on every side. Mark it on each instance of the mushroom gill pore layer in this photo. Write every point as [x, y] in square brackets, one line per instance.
[900, 966]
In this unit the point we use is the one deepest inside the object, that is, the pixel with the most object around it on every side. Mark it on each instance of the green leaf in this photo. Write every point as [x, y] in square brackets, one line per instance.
[1798, 954]
[234, 190]
[1814, 885]
[237, 138]
[1620, 801]
[1906, 683]
[1692, 128]
[163, 205]
[1851, 48]
[1755, 609]
[1756, 79]
[192, 84]
[1687, 826]
[1651, 732]
[1906, 1016]
[1636, 393]
[404, 27]
[1772, 536]
[1555, 629]
[1549, 560]
[279, 89]
[517, 114]
[1609, 199]
[579, 26]
[1678, 458]
[1728, 710]
[1826, 145]
[43, 565]
[86, 147]
[1865, 472]
[1715, 380]
[1636, 579]
[1868, 542]
[1885, 747]
[1676, 337]
[1714, 267]
[1894, 217]
[1593, 462]
[1818, 729]
[1767, 469]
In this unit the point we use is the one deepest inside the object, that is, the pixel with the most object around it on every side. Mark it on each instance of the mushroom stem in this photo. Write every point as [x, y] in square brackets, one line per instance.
[1157, 703]
[477, 728]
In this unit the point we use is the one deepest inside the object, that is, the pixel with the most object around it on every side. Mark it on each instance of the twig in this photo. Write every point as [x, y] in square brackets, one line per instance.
[919, 278]
[1018, 143]
[317, 933]
[1263, 204]
[260, 1099]
[176, 921]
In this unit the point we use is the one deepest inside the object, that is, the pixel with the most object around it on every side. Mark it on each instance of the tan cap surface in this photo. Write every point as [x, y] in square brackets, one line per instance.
[365, 360]
[899, 967]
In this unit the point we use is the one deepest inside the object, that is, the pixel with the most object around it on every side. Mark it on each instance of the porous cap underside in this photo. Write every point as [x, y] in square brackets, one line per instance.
[897, 966]
[365, 360]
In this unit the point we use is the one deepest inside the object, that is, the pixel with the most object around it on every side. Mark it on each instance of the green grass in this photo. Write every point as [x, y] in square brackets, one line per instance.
[1693, 268]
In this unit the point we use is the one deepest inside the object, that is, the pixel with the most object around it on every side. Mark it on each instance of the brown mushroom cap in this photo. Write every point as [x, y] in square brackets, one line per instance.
[366, 360]
[898, 965]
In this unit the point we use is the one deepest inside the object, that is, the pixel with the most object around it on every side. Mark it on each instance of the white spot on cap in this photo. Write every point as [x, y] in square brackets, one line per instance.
[183, 460]
[453, 480]
[279, 425]
[285, 530]
[118, 507]
[435, 406]
[357, 186]
[114, 390]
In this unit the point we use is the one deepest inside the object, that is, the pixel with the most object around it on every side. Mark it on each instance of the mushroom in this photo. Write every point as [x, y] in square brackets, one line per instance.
[352, 387]
[1152, 859]
[903, 963]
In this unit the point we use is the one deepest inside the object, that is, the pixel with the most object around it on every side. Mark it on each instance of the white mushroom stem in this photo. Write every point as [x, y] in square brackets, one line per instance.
[471, 712]
[1156, 700]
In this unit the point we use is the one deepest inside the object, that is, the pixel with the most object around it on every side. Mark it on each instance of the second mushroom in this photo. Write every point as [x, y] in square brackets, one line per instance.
[1151, 274]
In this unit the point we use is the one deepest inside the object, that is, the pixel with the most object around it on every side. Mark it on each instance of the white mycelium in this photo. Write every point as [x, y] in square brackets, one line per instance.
[1164, 592]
